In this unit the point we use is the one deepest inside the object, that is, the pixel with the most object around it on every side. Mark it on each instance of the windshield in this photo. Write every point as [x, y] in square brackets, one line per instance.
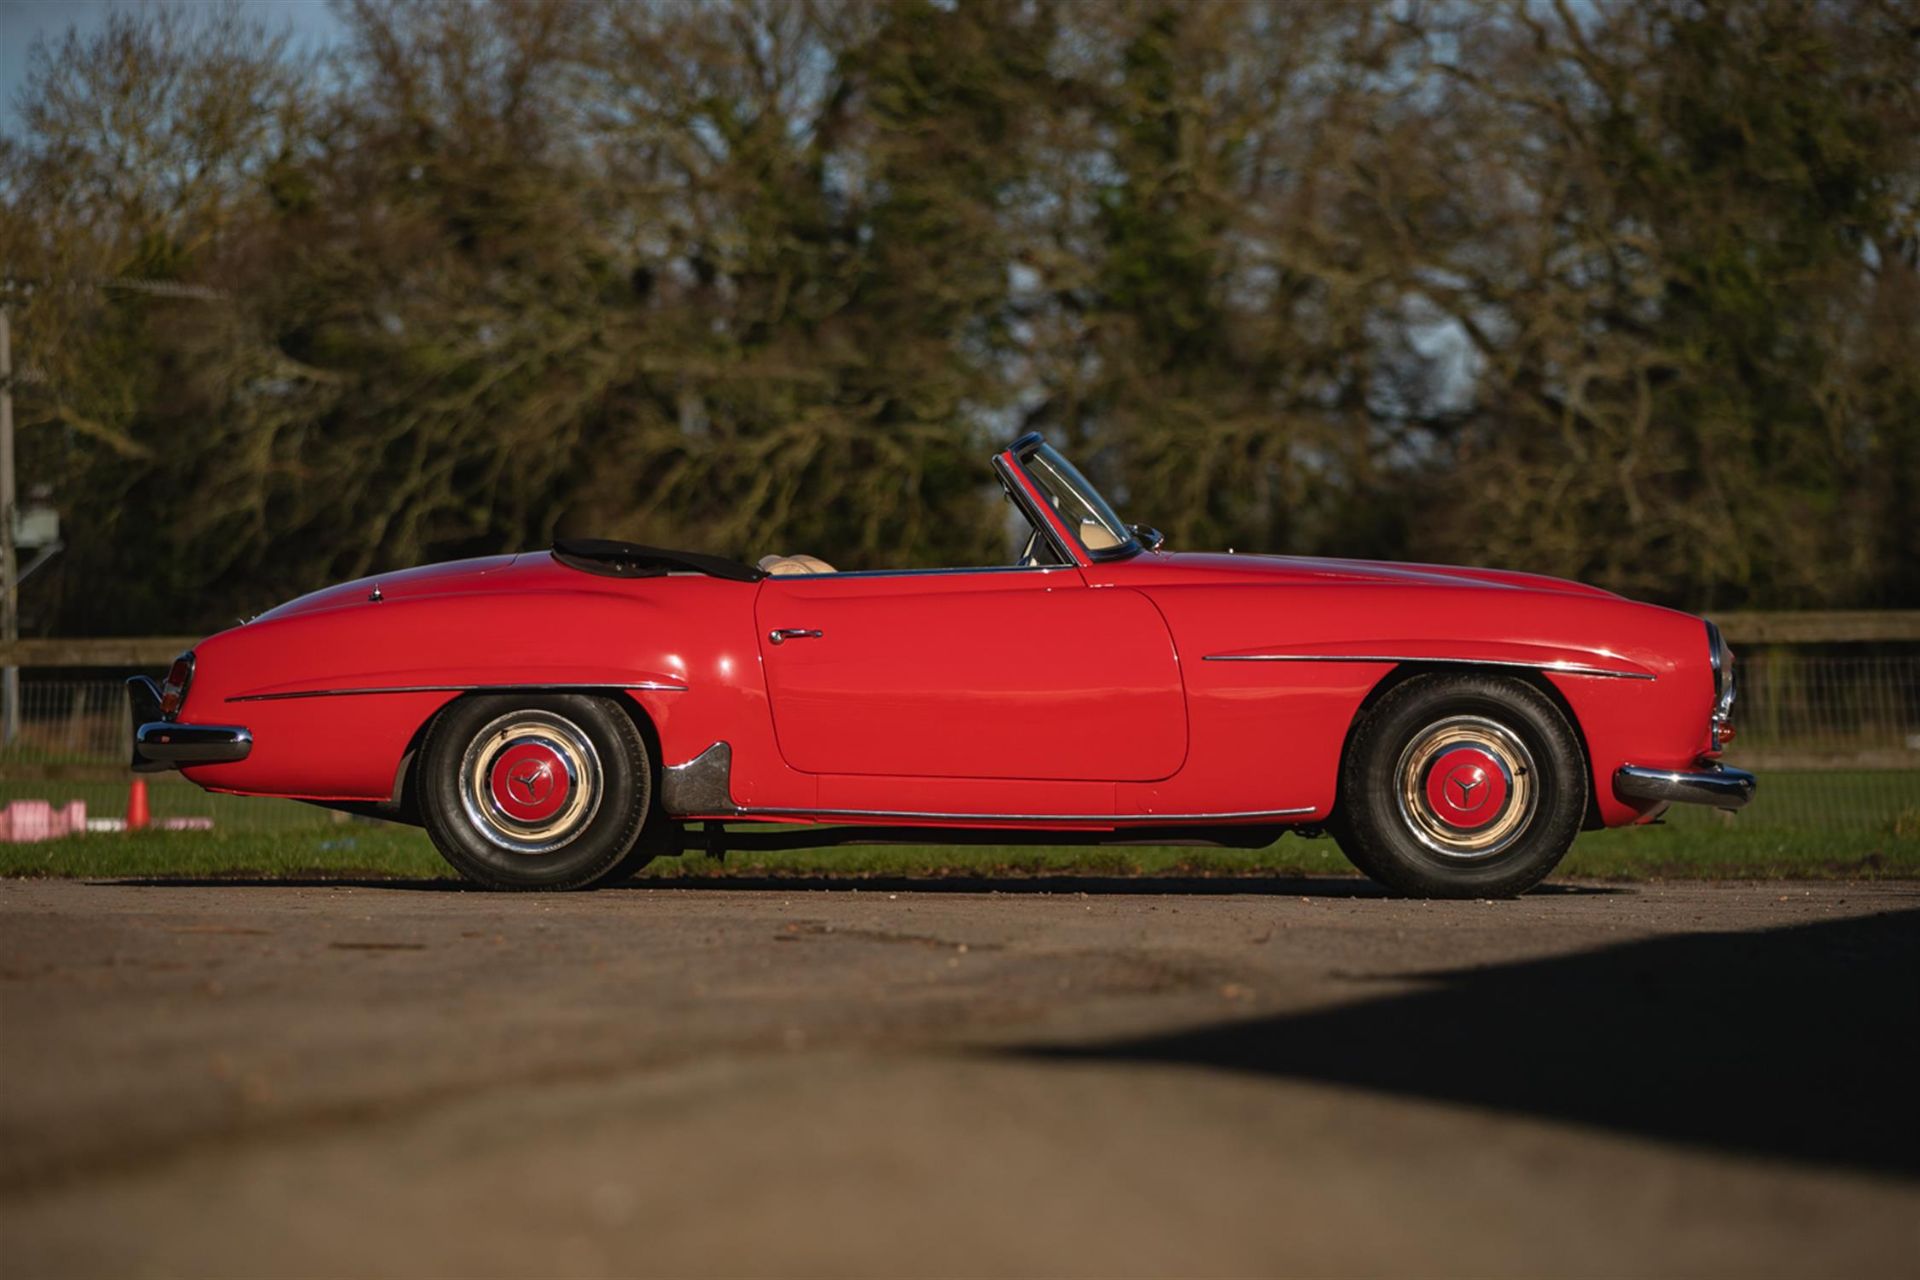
[1082, 509]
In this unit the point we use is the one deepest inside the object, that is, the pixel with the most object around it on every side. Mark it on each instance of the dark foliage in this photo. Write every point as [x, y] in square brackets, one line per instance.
[1624, 292]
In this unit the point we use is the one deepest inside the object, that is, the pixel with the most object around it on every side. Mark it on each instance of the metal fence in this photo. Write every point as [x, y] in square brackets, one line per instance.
[1826, 711]
[77, 722]
[75, 742]
[1835, 736]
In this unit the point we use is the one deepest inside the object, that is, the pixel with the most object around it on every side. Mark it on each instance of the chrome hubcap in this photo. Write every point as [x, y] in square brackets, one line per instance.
[1466, 787]
[530, 781]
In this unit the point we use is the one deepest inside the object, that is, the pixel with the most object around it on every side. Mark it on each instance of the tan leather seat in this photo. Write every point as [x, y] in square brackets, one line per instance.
[785, 566]
[1095, 537]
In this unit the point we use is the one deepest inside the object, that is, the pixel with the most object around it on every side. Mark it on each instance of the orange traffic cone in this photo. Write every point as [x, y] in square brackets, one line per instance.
[137, 816]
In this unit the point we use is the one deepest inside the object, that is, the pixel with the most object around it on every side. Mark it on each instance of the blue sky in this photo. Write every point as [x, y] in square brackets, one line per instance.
[24, 21]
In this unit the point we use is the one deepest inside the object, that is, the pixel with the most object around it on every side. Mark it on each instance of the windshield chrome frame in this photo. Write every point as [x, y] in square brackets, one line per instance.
[1023, 499]
[1032, 443]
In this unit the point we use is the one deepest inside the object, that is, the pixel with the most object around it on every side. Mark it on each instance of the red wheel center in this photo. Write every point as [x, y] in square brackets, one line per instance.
[529, 782]
[1467, 787]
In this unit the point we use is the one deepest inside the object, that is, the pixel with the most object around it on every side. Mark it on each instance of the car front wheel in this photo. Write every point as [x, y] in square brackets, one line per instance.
[535, 791]
[1461, 786]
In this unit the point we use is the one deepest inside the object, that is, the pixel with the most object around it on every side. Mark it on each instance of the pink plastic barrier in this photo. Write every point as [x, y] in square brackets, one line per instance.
[24, 821]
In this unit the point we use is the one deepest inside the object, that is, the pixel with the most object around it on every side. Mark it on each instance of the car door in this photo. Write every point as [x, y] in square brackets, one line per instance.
[1014, 673]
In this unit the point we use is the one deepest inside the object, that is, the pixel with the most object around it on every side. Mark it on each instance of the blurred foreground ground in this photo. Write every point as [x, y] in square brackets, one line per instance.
[978, 1077]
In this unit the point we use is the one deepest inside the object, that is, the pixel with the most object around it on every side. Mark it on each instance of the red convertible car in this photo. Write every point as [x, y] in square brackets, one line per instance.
[555, 718]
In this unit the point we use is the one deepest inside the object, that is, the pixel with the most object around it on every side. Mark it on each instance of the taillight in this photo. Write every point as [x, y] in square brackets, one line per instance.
[173, 692]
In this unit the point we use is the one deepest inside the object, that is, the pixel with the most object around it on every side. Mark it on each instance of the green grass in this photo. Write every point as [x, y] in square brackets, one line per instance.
[362, 849]
[378, 850]
[1805, 825]
[1685, 852]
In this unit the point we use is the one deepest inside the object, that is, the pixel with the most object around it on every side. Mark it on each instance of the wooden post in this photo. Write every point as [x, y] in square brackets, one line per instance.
[9, 569]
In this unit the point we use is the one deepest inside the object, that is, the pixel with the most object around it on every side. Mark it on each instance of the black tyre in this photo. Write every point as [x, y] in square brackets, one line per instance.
[535, 791]
[1461, 786]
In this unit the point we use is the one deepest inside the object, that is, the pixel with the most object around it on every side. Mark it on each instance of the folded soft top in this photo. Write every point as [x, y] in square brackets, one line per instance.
[631, 560]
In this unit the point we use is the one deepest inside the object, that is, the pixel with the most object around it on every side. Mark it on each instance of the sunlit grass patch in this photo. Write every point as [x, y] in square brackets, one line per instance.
[1787, 832]
[384, 850]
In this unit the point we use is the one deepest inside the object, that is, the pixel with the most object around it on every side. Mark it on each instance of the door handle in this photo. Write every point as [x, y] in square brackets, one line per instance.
[780, 635]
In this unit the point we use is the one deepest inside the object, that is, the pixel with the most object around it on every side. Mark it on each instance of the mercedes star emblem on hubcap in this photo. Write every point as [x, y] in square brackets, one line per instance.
[535, 779]
[1468, 786]
[532, 780]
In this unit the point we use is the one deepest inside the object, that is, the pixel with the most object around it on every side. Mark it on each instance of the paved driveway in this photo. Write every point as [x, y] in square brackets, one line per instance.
[840, 1076]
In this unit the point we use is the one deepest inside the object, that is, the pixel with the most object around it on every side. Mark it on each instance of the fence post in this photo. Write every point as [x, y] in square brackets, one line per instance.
[77, 718]
[9, 585]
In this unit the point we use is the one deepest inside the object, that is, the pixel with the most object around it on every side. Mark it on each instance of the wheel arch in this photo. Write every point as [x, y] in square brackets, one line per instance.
[1531, 676]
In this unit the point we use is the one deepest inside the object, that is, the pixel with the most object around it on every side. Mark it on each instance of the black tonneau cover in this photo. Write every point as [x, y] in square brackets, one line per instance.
[631, 560]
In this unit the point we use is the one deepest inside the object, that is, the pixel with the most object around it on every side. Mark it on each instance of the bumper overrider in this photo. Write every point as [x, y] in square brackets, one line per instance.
[160, 743]
[1720, 786]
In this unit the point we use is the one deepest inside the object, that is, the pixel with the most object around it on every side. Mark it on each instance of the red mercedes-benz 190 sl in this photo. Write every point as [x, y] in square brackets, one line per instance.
[556, 718]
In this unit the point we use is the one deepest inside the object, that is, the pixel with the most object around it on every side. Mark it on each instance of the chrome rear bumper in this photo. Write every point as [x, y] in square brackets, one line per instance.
[160, 744]
[167, 745]
[1719, 786]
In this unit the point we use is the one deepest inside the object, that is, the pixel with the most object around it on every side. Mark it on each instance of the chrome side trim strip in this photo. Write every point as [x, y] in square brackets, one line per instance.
[1161, 819]
[1552, 668]
[447, 688]
[1156, 819]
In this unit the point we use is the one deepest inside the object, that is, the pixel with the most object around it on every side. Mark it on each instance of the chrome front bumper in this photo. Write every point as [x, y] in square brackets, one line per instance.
[1718, 785]
[160, 744]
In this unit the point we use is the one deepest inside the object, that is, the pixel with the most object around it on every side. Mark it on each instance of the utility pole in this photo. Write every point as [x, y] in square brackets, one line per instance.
[9, 503]
[9, 569]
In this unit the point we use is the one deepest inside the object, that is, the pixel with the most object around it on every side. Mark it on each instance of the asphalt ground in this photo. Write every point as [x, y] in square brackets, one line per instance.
[1073, 1077]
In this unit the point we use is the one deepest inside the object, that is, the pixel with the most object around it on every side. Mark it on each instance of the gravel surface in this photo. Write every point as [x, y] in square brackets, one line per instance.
[1001, 1077]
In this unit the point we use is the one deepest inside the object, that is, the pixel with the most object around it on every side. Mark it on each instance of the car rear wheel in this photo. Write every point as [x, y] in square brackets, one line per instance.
[535, 791]
[1461, 786]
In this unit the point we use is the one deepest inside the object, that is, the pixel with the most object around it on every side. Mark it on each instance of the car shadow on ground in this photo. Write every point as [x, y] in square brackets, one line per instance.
[284, 882]
[1800, 1043]
[1119, 886]
[825, 882]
